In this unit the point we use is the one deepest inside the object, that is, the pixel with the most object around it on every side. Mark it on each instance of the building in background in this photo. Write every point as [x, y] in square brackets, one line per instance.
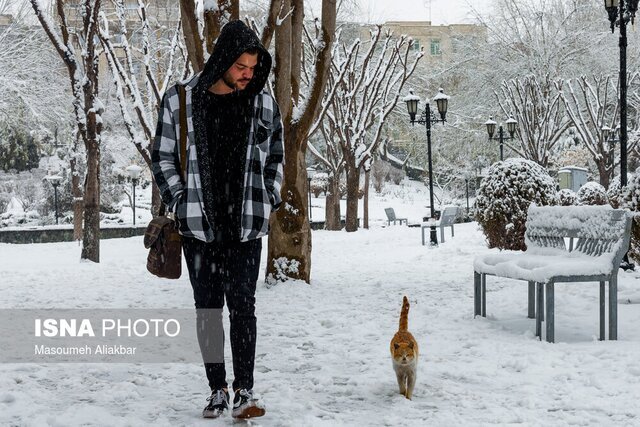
[440, 42]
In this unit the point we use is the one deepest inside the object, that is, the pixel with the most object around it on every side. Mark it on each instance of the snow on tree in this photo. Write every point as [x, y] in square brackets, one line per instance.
[539, 113]
[567, 197]
[592, 193]
[290, 236]
[504, 198]
[158, 62]
[33, 92]
[82, 68]
[360, 96]
[594, 113]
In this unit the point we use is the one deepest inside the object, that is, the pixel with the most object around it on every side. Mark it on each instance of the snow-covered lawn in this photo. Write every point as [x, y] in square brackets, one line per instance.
[323, 356]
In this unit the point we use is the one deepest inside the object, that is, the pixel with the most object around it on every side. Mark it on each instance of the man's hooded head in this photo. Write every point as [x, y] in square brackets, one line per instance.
[235, 40]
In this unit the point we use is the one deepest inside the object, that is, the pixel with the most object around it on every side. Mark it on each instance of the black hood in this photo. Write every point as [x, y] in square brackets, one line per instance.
[235, 39]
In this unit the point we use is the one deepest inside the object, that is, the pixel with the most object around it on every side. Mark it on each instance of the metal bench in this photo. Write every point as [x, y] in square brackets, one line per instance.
[602, 238]
[391, 216]
[447, 219]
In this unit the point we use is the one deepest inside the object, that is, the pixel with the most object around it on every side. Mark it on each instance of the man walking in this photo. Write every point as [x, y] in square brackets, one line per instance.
[235, 158]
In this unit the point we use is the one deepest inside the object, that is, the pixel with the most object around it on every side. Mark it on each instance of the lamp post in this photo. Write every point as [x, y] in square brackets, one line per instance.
[134, 173]
[512, 124]
[467, 175]
[620, 13]
[55, 182]
[311, 171]
[426, 118]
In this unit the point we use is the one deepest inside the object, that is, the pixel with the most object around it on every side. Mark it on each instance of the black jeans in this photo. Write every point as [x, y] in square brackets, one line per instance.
[220, 270]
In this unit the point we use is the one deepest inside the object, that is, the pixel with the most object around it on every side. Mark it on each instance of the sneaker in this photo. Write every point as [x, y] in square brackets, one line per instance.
[218, 404]
[246, 406]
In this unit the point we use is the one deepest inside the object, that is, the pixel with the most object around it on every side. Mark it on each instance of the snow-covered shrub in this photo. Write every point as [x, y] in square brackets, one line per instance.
[380, 173]
[504, 197]
[319, 184]
[630, 199]
[567, 197]
[592, 193]
[614, 193]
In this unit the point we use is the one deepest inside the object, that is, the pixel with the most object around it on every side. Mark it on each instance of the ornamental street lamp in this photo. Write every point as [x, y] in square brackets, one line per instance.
[467, 177]
[512, 124]
[134, 173]
[620, 13]
[426, 117]
[55, 182]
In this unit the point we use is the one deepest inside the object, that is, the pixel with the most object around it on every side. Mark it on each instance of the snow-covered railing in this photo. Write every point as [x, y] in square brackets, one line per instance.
[602, 235]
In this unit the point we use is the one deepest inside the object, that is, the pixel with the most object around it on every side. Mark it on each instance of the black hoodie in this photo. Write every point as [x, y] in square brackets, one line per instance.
[235, 39]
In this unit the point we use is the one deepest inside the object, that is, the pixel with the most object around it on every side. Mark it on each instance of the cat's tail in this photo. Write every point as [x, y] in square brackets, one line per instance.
[404, 315]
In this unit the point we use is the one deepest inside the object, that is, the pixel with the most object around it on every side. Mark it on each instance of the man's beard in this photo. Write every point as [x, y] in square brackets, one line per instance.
[230, 83]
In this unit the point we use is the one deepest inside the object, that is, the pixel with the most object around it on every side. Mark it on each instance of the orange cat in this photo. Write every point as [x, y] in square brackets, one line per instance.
[404, 351]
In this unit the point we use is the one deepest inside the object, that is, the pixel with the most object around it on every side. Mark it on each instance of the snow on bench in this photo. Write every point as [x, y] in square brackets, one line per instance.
[602, 238]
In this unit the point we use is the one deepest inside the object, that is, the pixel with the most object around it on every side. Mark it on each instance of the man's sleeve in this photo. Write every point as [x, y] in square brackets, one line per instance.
[274, 167]
[164, 156]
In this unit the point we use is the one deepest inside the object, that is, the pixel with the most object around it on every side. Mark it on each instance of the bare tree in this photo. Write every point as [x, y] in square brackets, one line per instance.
[539, 111]
[156, 77]
[365, 94]
[83, 75]
[593, 108]
[201, 32]
[289, 252]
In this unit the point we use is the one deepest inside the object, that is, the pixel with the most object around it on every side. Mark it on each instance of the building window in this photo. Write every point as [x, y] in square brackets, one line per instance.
[416, 45]
[435, 47]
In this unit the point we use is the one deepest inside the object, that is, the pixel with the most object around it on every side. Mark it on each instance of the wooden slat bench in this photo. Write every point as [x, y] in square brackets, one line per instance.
[601, 237]
[447, 219]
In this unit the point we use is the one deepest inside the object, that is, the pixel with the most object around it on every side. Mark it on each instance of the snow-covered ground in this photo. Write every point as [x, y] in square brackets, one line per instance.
[323, 356]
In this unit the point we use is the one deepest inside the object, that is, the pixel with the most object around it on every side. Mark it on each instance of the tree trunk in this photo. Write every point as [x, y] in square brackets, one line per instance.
[332, 204]
[365, 202]
[91, 238]
[353, 185]
[290, 236]
[192, 39]
[604, 174]
[297, 18]
[289, 254]
[78, 205]
[156, 200]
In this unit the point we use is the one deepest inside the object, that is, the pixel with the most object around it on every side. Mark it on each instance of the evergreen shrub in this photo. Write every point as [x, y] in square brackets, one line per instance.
[504, 197]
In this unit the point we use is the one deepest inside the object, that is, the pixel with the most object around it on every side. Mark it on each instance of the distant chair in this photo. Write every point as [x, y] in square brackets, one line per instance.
[391, 216]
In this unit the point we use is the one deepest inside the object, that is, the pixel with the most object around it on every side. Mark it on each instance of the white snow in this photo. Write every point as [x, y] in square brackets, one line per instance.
[323, 349]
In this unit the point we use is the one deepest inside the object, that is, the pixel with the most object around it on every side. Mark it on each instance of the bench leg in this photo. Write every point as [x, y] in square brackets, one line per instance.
[476, 293]
[484, 295]
[613, 307]
[539, 309]
[452, 233]
[422, 229]
[602, 308]
[531, 301]
[549, 323]
[441, 234]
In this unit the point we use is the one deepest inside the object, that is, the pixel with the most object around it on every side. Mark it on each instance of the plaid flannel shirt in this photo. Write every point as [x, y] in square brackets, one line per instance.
[263, 169]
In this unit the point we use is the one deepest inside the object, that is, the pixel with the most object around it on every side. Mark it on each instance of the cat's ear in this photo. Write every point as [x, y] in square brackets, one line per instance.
[396, 345]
